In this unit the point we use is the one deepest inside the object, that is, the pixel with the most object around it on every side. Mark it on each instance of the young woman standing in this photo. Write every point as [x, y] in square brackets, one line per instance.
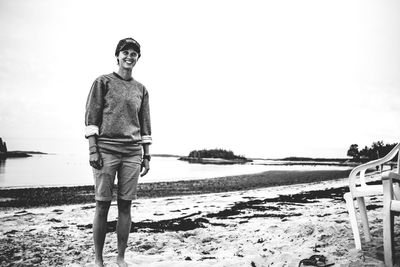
[118, 128]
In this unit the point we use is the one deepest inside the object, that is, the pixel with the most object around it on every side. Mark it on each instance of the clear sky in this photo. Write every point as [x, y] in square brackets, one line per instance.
[262, 78]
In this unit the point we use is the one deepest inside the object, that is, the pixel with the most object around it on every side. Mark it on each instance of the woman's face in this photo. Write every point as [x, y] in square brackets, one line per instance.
[127, 58]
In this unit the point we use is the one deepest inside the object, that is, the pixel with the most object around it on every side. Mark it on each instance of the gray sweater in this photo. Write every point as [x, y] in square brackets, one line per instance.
[118, 112]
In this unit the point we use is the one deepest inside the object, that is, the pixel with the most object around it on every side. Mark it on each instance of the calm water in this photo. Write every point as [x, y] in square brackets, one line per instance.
[56, 170]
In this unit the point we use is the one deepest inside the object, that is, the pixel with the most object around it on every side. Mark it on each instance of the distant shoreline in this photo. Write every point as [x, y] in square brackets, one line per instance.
[288, 161]
[214, 160]
[19, 154]
[311, 163]
[314, 159]
[165, 156]
[51, 196]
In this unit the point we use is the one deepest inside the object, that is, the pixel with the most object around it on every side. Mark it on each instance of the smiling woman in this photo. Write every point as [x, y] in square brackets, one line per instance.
[128, 58]
[119, 133]
[127, 53]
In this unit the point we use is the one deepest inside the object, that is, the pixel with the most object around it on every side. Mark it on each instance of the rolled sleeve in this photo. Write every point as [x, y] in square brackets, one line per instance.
[91, 130]
[146, 139]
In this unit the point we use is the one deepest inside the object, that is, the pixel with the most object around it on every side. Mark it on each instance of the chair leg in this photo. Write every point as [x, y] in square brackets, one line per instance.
[353, 219]
[388, 228]
[364, 218]
[388, 238]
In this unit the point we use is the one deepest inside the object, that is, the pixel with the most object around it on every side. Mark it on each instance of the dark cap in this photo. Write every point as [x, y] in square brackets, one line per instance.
[127, 43]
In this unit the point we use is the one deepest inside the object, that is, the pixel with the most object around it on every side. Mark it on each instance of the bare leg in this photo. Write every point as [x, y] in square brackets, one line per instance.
[123, 229]
[100, 230]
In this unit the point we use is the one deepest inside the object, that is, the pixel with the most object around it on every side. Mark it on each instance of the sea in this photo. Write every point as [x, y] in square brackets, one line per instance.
[50, 170]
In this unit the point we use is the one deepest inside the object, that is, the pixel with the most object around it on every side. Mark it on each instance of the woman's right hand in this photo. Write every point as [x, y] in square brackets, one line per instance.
[96, 161]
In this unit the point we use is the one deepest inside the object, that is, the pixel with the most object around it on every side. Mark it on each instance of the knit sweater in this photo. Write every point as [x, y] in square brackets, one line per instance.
[118, 112]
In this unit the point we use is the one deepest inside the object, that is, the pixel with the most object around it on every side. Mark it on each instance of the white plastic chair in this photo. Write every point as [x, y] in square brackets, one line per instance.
[359, 190]
[390, 204]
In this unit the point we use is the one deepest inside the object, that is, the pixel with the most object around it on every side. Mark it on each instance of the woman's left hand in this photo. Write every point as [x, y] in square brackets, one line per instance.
[145, 167]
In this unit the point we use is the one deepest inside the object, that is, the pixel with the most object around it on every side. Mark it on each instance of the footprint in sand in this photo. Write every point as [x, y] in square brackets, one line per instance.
[11, 232]
[88, 207]
[54, 220]
[173, 199]
[20, 212]
[59, 227]
[58, 211]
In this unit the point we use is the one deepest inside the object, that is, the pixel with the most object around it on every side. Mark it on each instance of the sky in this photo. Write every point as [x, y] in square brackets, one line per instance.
[262, 78]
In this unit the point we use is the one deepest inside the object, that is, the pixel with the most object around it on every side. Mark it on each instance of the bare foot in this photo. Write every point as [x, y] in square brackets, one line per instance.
[122, 263]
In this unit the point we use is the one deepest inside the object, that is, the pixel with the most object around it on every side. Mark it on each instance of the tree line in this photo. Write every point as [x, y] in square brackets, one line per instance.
[3, 146]
[215, 153]
[377, 150]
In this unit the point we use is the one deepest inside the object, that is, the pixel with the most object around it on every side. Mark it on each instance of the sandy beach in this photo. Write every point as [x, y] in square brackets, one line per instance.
[274, 223]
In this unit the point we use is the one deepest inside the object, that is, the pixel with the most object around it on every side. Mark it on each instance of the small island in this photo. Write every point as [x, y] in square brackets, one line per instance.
[214, 156]
[4, 153]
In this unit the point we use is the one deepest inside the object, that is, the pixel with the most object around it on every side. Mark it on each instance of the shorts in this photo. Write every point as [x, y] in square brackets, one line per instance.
[128, 170]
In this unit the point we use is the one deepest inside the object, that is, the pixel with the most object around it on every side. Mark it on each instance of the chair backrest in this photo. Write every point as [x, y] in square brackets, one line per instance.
[361, 169]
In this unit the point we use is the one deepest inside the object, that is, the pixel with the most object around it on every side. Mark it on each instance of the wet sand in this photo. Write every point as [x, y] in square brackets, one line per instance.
[49, 196]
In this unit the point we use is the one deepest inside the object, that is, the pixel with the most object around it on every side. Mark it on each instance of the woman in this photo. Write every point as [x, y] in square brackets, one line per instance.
[119, 132]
